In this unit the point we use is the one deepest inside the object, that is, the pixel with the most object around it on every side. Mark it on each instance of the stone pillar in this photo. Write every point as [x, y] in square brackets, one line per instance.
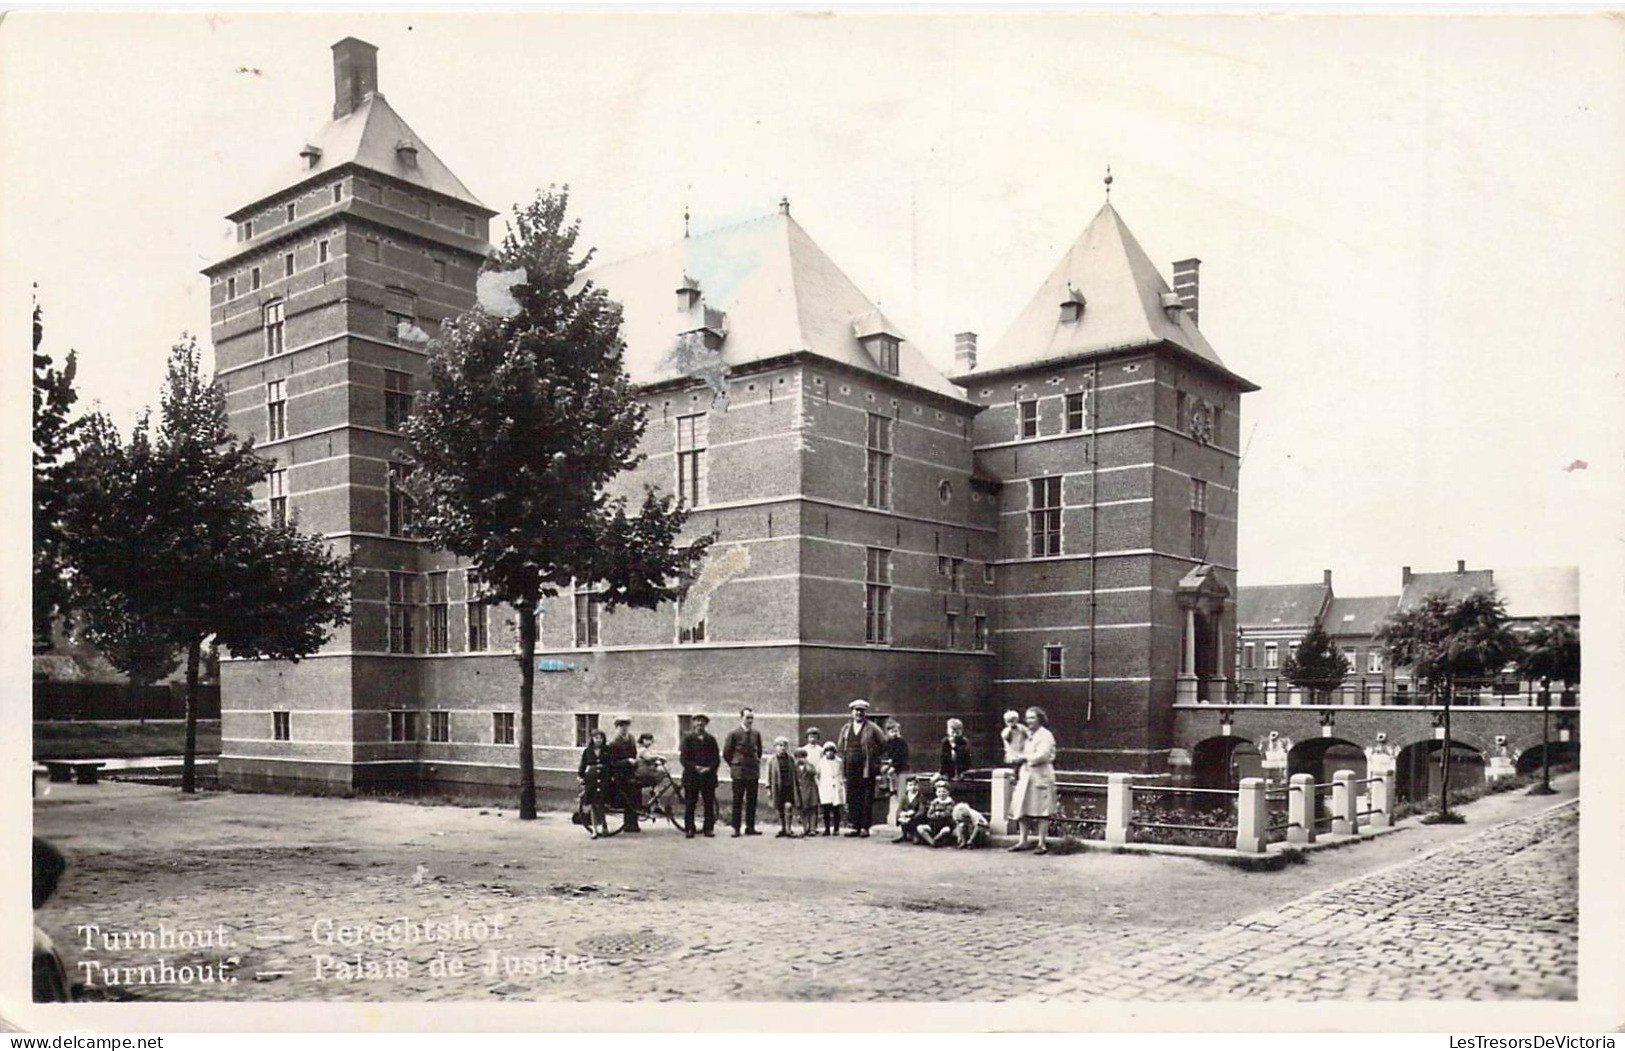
[1382, 800]
[1300, 809]
[1185, 686]
[1119, 807]
[1345, 805]
[999, 821]
[1252, 817]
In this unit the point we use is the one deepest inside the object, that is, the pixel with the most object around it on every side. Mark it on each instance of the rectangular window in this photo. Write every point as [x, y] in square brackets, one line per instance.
[274, 321]
[1292, 651]
[439, 615]
[1353, 657]
[281, 730]
[1249, 655]
[987, 572]
[403, 725]
[1029, 419]
[1198, 518]
[586, 723]
[1272, 656]
[502, 728]
[439, 269]
[1218, 421]
[321, 251]
[1075, 411]
[468, 226]
[231, 288]
[877, 492]
[479, 632]
[254, 278]
[884, 349]
[245, 230]
[397, 398]
[287, 265]
[589, 619]
[877, 596]
[956, 575]
[1045, 516]
[400, 312]
[692, 435]
[276, 410]
[402, 599]
[978, 625]
[279, 497]
[400, 504]
[689, 632]
[1053, 662]
[1182, 410]
[440, 726]
[338, 192]
[369, 249]
[291, 211]
[1373, 662]
[951, 634]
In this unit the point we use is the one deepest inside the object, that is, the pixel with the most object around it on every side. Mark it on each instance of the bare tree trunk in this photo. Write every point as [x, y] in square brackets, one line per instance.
[189, 760]
[527, 701]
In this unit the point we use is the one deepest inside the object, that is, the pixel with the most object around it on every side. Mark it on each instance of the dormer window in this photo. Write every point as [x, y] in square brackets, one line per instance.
[312, 155]
[407, 152]
[1072, 306]
[883, 348]
[245, 230]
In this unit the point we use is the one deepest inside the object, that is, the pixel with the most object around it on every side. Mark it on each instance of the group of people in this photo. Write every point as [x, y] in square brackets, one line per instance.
[821, 783]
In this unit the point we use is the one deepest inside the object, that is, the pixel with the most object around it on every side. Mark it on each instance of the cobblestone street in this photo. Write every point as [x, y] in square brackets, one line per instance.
[1483, 911]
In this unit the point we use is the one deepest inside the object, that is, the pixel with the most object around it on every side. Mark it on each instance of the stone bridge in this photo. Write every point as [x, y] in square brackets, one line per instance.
[1223, 743]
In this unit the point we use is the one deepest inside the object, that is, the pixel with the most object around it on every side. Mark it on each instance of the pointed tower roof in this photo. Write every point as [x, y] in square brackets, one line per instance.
[1104, 295]
[763, 289]
[365, 132]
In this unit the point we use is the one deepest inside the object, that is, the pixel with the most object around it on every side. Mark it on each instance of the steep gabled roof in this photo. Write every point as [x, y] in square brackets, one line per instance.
[769, 286]
[367, 138]
[1123, 307]
[1452, 586]
[1359, 615]
[1281, 605]
[1540, 591]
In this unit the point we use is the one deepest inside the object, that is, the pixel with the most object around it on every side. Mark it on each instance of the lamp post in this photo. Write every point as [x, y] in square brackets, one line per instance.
[1545, 786]
[1444, 759]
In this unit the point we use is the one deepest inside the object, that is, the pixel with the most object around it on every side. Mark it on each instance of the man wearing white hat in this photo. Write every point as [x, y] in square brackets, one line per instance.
[862, 748]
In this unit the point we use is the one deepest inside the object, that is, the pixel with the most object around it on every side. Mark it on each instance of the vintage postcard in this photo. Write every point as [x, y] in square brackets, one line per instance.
[942, 519]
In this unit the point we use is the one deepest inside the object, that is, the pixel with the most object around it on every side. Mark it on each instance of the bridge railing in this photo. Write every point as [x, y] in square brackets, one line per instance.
[1245, 819]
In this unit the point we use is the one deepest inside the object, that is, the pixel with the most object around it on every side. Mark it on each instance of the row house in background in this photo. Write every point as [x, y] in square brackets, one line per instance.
[1273, 617]
[1054, 525]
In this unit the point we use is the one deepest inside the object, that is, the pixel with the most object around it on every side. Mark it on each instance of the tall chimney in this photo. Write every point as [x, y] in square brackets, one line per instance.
[1405, 577]
[965, 351]
[1326, 577]
[1461, 565]
[355, 75]
[1186, 284]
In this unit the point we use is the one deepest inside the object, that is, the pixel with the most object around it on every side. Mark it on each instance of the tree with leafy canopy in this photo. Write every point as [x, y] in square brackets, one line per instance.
[1551, 653]
[528, 416]
[167, 547]
[1316, 665]
[55, 437]
[1447, 642]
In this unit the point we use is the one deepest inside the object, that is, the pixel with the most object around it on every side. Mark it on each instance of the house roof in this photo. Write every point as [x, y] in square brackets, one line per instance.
[1359, 614]
[1540, 591]
[1280, 605]
[368, 137]
[1453, 586]
[767, 289]
[1123, 296]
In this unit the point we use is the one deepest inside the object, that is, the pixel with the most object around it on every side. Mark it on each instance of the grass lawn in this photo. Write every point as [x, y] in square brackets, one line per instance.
[122, 739]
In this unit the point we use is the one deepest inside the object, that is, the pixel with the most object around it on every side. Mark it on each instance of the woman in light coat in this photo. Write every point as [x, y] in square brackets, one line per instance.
[1035, 785]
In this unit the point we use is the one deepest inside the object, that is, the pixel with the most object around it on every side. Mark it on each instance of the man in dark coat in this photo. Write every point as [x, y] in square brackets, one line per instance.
[700, 758]
[743, 753]
[623, 773]
[862, 749]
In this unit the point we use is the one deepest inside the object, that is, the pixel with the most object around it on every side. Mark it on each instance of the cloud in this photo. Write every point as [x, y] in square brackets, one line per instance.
[494, 290]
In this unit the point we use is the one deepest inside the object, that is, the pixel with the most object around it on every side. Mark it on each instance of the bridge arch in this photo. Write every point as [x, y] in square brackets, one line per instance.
[1418, 769]
[1321, 757]
[1221, 762]
[1529, 760]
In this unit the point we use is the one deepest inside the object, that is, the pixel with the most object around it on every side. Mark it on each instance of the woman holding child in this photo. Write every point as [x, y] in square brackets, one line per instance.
[1035, 785]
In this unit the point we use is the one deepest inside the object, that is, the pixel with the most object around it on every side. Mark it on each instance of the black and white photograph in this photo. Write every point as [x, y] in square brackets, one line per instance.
[897, 519]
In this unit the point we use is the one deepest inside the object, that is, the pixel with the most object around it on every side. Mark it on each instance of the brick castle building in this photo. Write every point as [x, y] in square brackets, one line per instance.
[1055, 524]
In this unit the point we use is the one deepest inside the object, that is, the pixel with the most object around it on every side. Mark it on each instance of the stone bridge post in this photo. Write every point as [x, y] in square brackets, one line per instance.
[1252, 817]
[999, 820]
[1382, 800]
[1300, 809]
[1119, 807]
[1345, 804]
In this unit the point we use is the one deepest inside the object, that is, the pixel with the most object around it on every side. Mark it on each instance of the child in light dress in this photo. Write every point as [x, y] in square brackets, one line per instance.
[1014, 735]
[831, 788]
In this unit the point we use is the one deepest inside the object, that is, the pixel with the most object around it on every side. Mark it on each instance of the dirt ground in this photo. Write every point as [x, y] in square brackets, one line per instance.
[271, 869]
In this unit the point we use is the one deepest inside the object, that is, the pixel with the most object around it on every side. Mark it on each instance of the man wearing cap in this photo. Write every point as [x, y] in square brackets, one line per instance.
[623, 774]
[862, 748]
[743, 754]
[700, 758]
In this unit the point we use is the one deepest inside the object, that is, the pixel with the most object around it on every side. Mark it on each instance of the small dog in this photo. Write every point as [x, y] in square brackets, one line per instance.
[970, 827]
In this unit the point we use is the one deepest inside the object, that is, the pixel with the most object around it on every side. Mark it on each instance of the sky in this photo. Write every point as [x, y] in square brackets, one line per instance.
[1412, 228]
